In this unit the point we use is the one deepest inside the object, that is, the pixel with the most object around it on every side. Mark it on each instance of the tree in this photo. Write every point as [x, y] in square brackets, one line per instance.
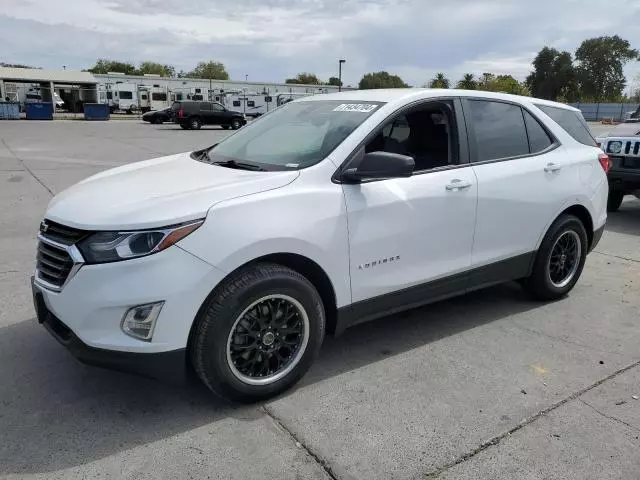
[210, 70]
[156, 69]
[381, 80]
[304, 78]
[439, 81]
[600, 62]
[468, 82]
[104, 65]
[334, 81]
[553, 76]
[486, 81]
[502, 83]
[508, 84]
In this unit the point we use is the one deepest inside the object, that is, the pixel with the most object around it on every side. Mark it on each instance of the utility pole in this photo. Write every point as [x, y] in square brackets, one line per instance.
[340, 62]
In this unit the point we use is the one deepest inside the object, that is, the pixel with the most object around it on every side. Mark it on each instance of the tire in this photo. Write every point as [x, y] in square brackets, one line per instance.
[226, 127]
[236, 124]
[195, 124]
[233, 302]
[566, 228]
[614, 200]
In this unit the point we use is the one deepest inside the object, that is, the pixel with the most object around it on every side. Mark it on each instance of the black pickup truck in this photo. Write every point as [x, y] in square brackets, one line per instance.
[622, 144]
[193, 114]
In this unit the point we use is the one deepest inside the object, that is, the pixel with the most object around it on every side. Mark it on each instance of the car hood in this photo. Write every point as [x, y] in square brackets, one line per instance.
[156, 193]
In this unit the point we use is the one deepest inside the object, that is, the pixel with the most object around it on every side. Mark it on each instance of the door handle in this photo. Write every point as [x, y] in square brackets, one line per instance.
[552, 167]
[457, 184]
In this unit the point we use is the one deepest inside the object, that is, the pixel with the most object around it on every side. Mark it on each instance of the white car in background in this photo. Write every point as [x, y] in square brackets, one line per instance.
[235, 260]
[622, 144]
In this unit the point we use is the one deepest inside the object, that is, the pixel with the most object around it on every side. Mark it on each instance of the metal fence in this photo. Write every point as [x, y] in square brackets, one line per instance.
[594, 112]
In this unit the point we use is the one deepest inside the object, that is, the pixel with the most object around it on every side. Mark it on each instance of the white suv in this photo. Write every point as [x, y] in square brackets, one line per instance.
[234, 261]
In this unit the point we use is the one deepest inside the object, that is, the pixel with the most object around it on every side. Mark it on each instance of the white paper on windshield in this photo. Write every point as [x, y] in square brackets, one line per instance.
[356, 107]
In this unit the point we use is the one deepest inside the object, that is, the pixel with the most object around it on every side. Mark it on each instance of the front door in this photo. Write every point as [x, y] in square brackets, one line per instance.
[411, 238]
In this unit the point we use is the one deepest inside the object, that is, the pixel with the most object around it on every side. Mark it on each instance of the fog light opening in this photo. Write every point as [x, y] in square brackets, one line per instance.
[140, 321]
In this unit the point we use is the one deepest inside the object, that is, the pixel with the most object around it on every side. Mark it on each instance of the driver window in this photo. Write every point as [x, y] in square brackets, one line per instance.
[426, 134]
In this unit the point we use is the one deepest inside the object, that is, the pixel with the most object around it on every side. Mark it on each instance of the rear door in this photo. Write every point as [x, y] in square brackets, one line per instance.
[206, 113]
[524, 179]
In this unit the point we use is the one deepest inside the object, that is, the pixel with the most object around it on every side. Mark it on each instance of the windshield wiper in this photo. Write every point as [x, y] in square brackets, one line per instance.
[239, 165]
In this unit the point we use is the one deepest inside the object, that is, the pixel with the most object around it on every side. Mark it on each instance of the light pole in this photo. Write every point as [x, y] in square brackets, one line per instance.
[340, 62]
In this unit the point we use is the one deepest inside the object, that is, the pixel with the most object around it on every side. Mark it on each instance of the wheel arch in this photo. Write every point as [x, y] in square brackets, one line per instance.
[579, 211]
[299, 263]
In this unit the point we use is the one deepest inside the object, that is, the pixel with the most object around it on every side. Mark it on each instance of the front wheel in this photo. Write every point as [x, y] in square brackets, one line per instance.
[614, 200]
[560, 259]
[258, 333]
[236, 123]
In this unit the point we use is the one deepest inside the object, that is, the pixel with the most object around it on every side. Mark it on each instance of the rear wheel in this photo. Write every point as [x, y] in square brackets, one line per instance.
[560, 259]
[236, 123]
[614, 200]
[258, 333]
[195, 124]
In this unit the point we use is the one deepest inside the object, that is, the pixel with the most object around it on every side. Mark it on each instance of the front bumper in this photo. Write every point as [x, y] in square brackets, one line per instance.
[169, 366]
[86, 314]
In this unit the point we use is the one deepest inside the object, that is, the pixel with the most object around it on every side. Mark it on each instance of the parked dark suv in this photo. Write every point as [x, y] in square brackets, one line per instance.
[192, 115]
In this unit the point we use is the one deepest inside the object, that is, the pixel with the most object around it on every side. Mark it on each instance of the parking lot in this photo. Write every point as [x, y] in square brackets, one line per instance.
[487, 386]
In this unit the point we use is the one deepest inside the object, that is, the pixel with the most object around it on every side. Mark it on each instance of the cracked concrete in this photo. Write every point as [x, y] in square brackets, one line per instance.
[491, 385]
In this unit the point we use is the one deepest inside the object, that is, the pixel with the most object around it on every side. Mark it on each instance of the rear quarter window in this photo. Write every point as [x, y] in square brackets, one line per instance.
[571, 122]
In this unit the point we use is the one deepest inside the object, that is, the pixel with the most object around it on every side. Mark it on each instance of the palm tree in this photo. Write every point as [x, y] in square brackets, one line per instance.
[468, 82]
[439, 81]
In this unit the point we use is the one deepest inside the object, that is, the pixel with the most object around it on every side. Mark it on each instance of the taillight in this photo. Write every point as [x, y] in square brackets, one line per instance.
[181, 113]
[605, 161]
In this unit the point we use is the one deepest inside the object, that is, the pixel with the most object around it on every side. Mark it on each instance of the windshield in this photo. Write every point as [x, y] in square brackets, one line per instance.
[294, 136]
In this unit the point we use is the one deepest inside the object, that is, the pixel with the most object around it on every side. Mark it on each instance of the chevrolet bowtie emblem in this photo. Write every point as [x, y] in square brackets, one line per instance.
[43, 227]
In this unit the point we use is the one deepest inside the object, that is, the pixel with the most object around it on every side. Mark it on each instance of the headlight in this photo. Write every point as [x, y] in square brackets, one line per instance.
[103, 247]
[615, 147]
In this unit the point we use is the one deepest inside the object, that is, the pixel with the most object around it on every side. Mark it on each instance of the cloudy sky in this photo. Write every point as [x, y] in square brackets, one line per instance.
[270, 40]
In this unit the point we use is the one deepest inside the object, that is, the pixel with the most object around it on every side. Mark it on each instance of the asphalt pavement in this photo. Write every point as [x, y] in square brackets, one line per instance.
[491, 385]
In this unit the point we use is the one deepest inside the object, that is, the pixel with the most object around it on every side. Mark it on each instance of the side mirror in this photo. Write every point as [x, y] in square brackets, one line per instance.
[378, 165]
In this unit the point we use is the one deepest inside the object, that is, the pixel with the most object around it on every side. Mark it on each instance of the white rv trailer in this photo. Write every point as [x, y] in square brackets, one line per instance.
[120, 96]
[252, 104]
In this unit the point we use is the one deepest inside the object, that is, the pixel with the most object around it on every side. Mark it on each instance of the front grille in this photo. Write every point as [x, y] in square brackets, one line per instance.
[61, 233]
[53, 263]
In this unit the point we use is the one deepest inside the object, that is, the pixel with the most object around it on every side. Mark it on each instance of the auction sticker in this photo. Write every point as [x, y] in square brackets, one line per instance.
[356, 107]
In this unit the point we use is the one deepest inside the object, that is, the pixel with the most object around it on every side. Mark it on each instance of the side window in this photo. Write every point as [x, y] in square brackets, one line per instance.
[499, 130]
[205, 106]
[251, 103]
[538, 138]
[423, 133]
[236, 103]
[572, 122]
[217, 107]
